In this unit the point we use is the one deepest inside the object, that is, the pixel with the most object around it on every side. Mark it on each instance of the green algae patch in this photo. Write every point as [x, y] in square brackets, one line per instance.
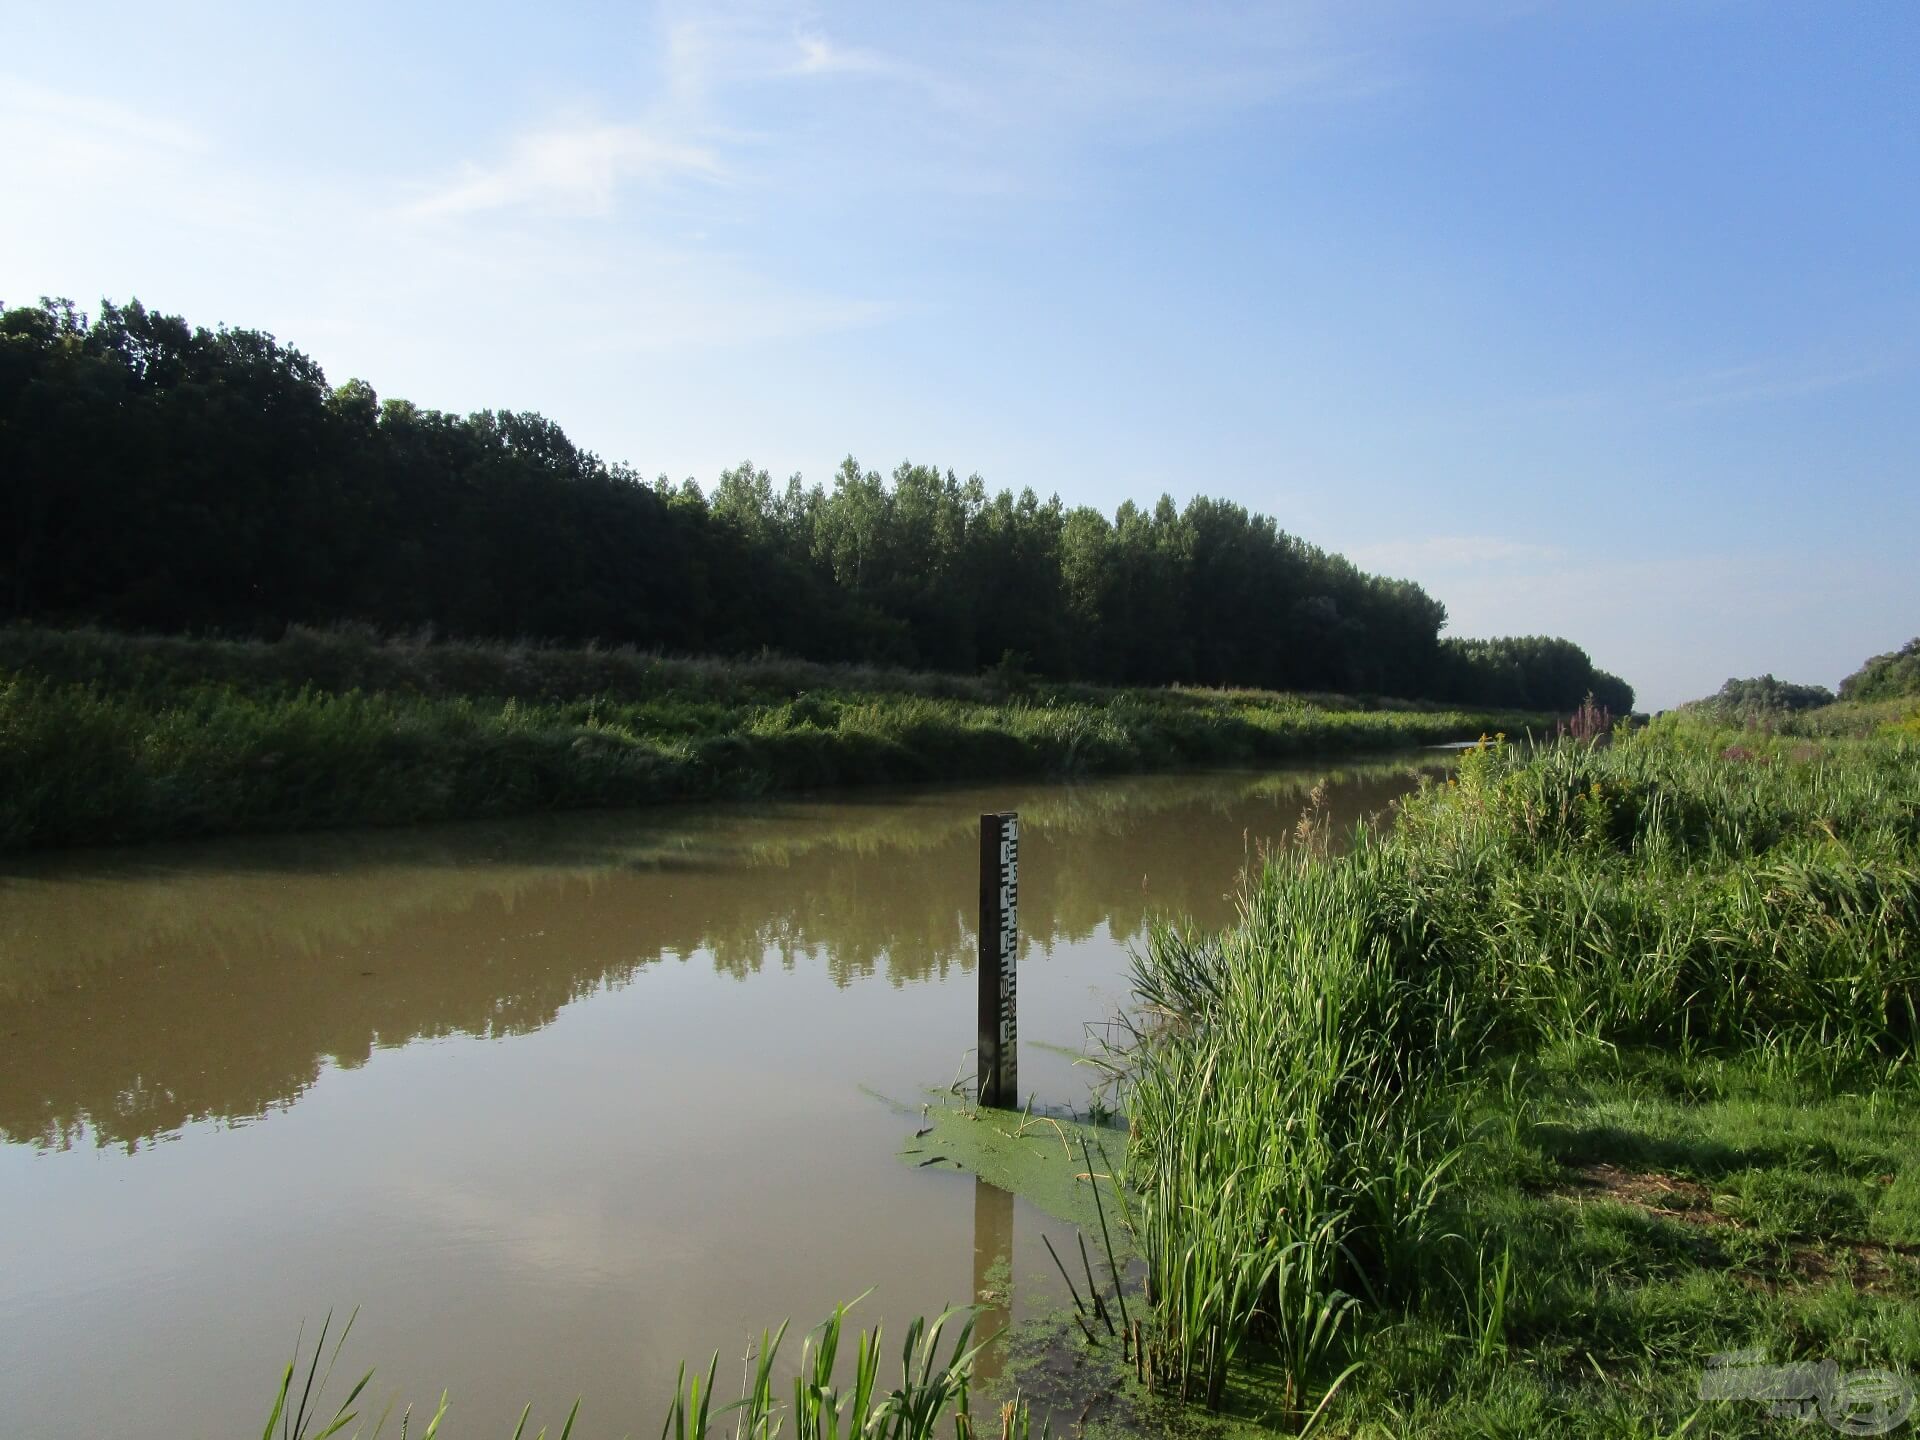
[1041, 1159]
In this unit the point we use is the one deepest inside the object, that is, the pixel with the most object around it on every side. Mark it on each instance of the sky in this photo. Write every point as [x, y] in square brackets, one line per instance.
[1599, 320]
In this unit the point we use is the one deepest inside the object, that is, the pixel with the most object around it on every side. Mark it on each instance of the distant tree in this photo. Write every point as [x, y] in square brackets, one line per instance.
[1535, 672]
[1615, 694]
[1763, 695]
[1885, 677]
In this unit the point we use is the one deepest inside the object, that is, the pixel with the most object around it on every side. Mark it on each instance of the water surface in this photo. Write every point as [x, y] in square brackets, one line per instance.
[556, 1103]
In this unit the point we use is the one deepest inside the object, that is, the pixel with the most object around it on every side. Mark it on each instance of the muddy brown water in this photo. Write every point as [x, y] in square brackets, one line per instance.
[556, 1103]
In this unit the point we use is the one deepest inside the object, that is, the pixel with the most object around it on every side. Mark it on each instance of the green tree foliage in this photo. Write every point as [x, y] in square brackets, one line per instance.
[1531, 672]
[1886, 677]
[1762, 697]
[166, 477]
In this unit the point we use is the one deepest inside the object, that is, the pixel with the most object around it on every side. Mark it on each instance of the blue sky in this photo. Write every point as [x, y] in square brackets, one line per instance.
[1597, 319]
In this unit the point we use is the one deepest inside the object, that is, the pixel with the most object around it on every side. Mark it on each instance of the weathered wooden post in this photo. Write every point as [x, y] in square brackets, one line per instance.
[999, 959]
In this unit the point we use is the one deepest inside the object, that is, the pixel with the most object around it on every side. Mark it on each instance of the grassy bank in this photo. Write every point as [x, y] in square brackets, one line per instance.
[1598, 1067]
[115, 738]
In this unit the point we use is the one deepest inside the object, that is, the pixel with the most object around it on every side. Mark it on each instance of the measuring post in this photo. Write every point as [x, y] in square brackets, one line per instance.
[999, 958]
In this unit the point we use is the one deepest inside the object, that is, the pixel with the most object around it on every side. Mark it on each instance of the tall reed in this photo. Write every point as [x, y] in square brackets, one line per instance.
[932, 1389]
[936, 1371]
[1289, 1082]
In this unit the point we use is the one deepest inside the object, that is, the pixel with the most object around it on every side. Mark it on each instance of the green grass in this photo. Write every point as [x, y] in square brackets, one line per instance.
[118, 738]
[1598, 1066]
[1648, 1231]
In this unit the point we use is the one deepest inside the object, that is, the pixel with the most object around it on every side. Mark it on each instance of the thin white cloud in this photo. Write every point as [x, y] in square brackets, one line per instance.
[70, 149]
[820, 56]
[35, 112]
[376, 278]
[998, 105]
[1754, 382]
[1169, 69]
[1746, 384]
[719, 63]
[571, 170]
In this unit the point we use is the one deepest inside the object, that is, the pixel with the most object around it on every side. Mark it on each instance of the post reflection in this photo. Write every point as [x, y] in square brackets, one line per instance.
[992, 1277]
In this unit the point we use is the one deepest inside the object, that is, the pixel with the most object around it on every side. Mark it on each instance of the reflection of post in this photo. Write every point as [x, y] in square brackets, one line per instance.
[999, 956]
[992, 1275]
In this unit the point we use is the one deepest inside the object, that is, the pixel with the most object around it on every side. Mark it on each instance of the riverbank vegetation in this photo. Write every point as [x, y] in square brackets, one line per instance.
[114, 738]
[1598, 1067]
[165, 477]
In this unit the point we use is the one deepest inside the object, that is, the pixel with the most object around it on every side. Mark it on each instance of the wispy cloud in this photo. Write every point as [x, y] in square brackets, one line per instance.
[821, 56]
[1749, 383]
[972, 104]
[379, 274]
[746, 100]
[1770, 380]
[734, 117]
[32, 110]
[72, 147]
[572, 170]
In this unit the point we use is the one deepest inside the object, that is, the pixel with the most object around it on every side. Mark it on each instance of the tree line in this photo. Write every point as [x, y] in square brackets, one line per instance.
[170, 477]
[1882, 677]
[1886, 677]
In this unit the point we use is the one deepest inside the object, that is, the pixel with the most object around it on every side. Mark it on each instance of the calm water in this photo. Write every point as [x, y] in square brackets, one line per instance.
[556, 1103]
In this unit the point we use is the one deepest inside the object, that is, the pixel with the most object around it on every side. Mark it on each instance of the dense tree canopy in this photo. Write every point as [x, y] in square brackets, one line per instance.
[168, 477]
[1764, 694]
[1530, 672]
[1886, 677]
